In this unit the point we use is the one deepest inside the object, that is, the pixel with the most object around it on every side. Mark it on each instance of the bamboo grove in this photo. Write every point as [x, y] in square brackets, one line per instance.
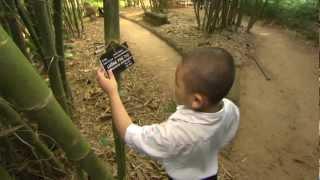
[33, 115]
[212, 15]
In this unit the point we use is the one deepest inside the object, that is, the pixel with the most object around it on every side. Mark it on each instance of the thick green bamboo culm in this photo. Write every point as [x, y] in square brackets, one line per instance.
[4, 175]
[27, 91]
[112, 33]
[13, 118]
[47, 40]
[59, 34]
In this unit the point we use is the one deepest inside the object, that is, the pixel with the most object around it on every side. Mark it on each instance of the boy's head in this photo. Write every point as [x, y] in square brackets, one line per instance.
[204, 77]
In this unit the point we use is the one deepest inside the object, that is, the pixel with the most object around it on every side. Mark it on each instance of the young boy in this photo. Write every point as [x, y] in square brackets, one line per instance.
[187, 143]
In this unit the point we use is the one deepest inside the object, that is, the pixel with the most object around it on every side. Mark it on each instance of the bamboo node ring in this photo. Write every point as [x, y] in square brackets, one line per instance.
[39, 106]
[4, 42]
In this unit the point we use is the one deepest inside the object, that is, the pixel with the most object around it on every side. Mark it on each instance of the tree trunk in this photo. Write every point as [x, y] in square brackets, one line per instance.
[38, 104]
[112, 33]
[47, 41]
[58, 24]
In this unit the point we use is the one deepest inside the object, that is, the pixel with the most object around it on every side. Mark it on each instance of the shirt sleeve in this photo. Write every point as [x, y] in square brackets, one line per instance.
[154, 140]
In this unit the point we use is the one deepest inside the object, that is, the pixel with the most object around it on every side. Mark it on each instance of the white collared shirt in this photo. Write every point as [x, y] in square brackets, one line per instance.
[187, 143]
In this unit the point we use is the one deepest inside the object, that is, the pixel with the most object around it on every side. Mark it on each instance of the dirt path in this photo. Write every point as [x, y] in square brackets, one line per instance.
[278, 138]
[152, 53]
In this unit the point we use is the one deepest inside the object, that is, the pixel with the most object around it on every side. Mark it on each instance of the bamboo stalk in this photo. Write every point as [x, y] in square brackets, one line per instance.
[13, 119]
[70, 17]
[28, 23]
[48, 43]
[10, 149]
[224, 13]
[4, 175]
[112, 33]
[67, 23]
[232, 12]
[196, 8]
[111, 21]
[76, 20]
[240, 13]
[80, 10]
[39, 105]
[14, 27]
[3, 19]
[215, 18]
[58, 23]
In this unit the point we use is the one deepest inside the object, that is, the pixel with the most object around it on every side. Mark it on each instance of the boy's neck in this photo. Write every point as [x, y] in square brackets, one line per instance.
[213, 108]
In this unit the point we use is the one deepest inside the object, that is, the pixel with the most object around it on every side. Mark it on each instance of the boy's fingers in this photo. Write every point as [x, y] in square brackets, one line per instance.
[100, 73]
[110, 74]
[101, 69]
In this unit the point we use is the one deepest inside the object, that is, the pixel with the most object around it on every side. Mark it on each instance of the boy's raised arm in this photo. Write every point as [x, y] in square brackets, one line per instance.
[121, 119]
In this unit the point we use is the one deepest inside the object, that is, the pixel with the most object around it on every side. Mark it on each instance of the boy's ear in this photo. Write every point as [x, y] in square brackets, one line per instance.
[199, 101]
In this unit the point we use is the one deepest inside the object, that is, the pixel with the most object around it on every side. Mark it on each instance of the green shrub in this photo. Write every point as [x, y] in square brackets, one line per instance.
[300, 15]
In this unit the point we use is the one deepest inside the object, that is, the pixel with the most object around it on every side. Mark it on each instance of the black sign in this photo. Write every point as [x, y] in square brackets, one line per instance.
[117, 58]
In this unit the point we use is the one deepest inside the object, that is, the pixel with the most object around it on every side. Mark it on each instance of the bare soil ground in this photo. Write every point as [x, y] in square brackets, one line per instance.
[279, 118]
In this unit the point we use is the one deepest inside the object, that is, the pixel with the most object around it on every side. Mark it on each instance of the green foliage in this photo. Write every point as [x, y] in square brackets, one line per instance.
[297, 14]
[292, 11]
[99, 3]
[95, 3]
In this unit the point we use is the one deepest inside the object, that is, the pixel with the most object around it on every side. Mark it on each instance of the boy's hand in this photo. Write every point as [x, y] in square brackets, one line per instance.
[108, 84]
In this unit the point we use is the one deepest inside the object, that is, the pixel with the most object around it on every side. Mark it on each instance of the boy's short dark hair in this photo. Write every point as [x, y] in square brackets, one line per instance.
[209, 71]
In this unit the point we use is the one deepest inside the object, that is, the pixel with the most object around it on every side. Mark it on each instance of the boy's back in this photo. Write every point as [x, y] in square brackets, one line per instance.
[188, 142]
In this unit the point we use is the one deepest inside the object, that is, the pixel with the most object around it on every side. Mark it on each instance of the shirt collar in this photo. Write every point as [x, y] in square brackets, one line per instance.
[200, 117]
